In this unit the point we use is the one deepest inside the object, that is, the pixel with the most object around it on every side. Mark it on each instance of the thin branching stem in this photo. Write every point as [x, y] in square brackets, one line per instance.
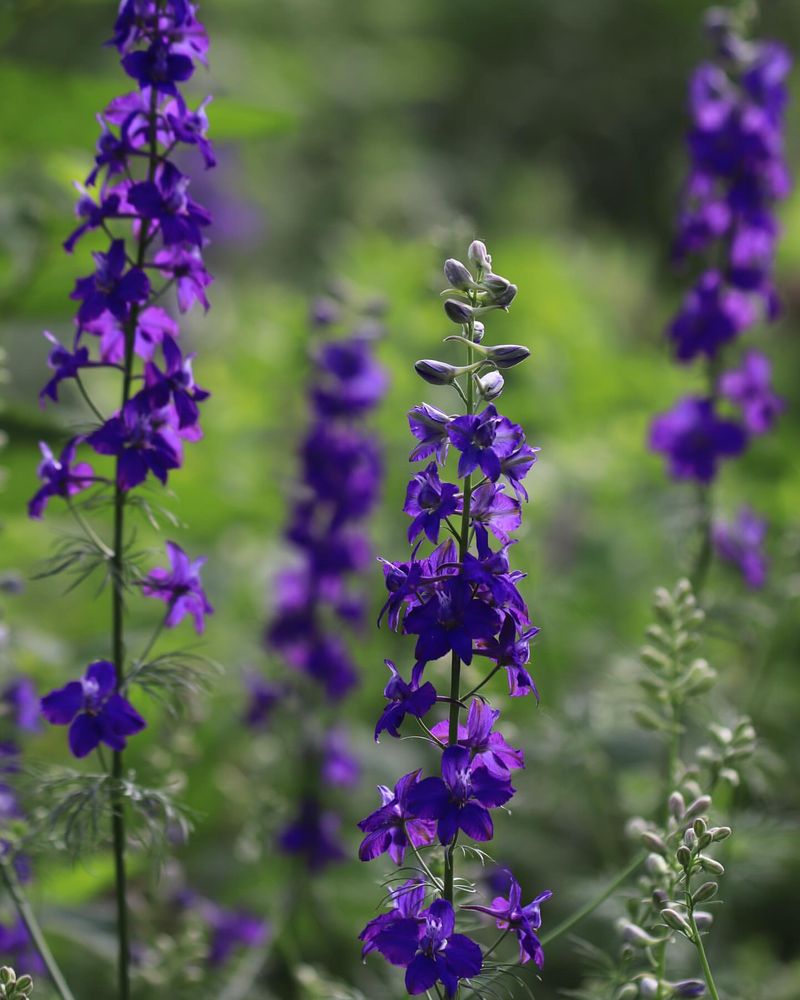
[28, 917]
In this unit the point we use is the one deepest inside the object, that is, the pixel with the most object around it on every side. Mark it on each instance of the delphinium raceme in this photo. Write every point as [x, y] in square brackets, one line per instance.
[126, 346]
[318, 599]
[458, 596]
[728, 224]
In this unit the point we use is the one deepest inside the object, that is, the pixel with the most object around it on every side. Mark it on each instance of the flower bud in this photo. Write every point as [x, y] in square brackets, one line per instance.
[710, 865]
[706, 891]
[458, 312]
[700, 805]
[638, 937]
[687, 988]
[490, 385]
[505, 299]
[720, 832]
[457, 274]
[435, 372]
[23, 986]
[656, 865]
[648, 987]
[628, 992]
[699, 826]
[677, 805]
[478, 332]
[495, 284]
[479, 255]
[659, 898]
[703, 919]
[653, 842]
[684, 856]
[674, 920]
[7, 976]
[507, 355]
[690, 838]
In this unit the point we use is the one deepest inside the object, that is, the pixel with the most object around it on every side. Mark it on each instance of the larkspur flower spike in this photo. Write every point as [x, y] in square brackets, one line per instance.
[458, 596]
[737, 175]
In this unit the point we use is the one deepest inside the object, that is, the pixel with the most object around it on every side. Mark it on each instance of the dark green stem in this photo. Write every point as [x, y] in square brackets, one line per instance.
[697, 941]
[28, 918]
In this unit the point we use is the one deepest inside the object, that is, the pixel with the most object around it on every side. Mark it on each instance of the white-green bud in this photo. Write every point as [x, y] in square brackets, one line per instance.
[677, 805]
[628, 992]
[690, 838]
[683, 856]
[700, 805]
[479, 255]
[674, 920]
[654, 843]
[638, 937]
[706, 891]
[710, 865]
[656, 865]
[478, 332]
[490, 386]
[648, 987]
[720, 832]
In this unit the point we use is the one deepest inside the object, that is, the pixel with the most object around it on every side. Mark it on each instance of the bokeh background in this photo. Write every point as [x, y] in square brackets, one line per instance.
[365, 142]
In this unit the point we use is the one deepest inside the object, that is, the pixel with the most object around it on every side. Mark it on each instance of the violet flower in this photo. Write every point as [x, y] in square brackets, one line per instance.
[180, 588]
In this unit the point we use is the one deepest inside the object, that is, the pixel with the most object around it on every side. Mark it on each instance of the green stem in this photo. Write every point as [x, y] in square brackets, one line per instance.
[702, 562]
[497, 944]
[28, 918]
[592, 905]
[477, 687]
[701, 951]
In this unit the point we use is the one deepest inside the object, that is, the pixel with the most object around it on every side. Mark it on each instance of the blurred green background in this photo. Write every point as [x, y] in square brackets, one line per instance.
[366, 142]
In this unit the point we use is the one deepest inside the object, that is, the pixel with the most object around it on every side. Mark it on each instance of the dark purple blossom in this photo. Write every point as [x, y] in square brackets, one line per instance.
[741, 542]
[111, 288]
[175, 384]
[94, 711]
[313, 836]
[695, 439]
[404, 699]
[65, 365]
[158, 66]
[164, 200]
[22, 700]
[429, 426]
[491, 509]
[474, 436]
[142, 440]
[461, 798]
[451, 621]
[263, 698]
[750, 388]
[711, 316]
[180, 588]
[350, 381]
[339, 765]
[407, 902]
[429, 501]
[185, 265]
[488, 747]
[17, 948]
[524, 921]
[512, 651]
[430, 950]
[60, 478]
[231, 930]
[396, 825]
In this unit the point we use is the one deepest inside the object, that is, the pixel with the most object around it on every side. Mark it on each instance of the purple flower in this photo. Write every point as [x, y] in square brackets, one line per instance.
[17, 948]
[65, 365]
[741, 542]
[488, 748]
[262, 700]
[429, 501]
[23, 701]
[407, 901]
[110, 288]
[474, 436]
[395, 826]
[94, 711]
[176, 384]
[339, 766]
[158, 66]
[165, 201]
[429, 426]
[180, 588]
[711, 316]
[510, 914]
[142, 440]
[430, 950]
[750, 387]
[461, 798]
[512, 650]
[313, 836]
[58, 478]
[191, 127]
[349, 379]
[230, 930]
[491, 508]
[450, 621]
[186, 266]
[694, 439]
[404, 699]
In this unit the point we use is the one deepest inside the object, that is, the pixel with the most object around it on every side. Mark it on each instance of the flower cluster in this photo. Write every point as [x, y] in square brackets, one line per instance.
[459, 599]
[137, 197]
[727, 220]
[340, 480]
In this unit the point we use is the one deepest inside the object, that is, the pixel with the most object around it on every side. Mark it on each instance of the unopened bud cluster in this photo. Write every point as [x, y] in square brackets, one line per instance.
[469, 297]
[13, 987]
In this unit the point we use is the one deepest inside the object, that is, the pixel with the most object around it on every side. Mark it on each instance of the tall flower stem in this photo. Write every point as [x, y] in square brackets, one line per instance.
[118, 606]
[28, 918]
[455, 666]
[697, 941]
